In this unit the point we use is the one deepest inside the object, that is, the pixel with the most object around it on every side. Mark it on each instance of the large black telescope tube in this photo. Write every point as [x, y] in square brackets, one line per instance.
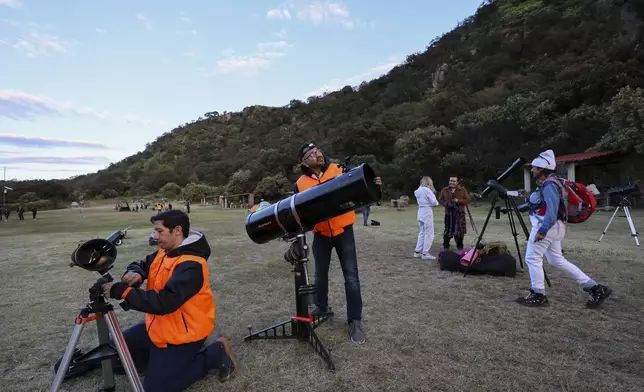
[515, 165]
[302, 211]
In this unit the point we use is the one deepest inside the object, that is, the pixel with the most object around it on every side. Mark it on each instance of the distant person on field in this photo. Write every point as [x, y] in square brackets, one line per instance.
[34, 211]
[426, 199]
[454, 198]
[548, 216]
[365, 214]
[179, 306]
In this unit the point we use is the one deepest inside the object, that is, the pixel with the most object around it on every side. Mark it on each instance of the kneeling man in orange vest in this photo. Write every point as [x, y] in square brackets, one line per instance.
[179, 309]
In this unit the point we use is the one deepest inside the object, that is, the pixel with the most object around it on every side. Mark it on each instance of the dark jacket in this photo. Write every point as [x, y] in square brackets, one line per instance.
[186, 280]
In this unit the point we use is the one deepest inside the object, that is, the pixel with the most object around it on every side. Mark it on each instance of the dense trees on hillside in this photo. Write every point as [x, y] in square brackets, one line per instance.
[517, 77]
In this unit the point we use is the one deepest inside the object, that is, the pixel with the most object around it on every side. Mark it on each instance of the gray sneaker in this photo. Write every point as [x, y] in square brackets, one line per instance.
[355, 332]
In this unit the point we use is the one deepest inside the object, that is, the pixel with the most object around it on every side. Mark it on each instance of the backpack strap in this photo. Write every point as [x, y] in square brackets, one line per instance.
[562, 210]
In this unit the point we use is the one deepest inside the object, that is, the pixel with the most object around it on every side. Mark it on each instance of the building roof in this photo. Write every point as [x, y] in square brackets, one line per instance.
[583, 156]
[579, 157]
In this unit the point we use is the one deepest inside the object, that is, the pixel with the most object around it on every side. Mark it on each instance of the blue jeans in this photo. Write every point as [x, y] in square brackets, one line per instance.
[365, 215]
[345, 248]
[173, 368]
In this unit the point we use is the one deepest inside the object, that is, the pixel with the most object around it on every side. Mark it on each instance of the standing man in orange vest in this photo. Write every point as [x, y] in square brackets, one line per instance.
[335, 233]
[179, 309]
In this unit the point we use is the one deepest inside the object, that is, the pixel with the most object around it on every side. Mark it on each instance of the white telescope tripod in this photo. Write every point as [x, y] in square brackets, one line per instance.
[623, 204]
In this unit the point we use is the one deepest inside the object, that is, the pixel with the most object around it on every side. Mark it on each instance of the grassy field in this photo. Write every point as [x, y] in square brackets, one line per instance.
[427, 330]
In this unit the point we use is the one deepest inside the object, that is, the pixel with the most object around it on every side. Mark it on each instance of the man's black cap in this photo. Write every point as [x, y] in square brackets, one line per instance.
[303, 149]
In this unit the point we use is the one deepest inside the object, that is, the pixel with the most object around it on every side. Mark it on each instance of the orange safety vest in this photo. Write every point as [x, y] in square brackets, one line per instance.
[334, 226]
[194, 320]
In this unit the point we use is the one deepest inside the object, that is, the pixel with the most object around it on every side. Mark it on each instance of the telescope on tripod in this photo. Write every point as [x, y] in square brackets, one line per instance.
[623, 203]
[97, 255]
[511, 208]
[290, 219]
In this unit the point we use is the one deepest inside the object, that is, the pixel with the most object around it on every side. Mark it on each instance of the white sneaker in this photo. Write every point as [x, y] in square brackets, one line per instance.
[416, 255]
[429, 257]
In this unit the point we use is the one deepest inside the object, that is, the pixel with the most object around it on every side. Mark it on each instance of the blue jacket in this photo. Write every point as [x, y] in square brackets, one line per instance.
[551, 200]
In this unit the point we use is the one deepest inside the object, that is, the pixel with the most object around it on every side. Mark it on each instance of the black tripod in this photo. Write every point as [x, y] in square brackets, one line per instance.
[73, 364]
[303, 324]
[471, 219]
[511, 208]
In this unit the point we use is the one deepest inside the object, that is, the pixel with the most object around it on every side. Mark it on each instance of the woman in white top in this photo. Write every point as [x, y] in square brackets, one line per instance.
[426, 199]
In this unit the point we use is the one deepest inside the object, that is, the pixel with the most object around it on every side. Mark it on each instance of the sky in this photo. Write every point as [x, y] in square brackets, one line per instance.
[87, 83]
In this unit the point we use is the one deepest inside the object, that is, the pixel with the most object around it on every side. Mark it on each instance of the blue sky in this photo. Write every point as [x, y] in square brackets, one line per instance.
[86, 83]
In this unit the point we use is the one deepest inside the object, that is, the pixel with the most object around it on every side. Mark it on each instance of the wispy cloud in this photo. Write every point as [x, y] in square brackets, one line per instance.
[372, 73]
[55, 160]
[40, 170]
[280, 34]
[10, 22]
[38, 44]
[277, 13]
[44, 142]
[316, 12]
[144, 20]
[184, 18]
[11, 3]
[101, 31]
[18, 105]
[250, 65]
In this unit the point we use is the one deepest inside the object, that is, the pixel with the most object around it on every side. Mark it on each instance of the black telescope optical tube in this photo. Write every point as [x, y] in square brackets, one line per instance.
[302, 211]
[515, 165]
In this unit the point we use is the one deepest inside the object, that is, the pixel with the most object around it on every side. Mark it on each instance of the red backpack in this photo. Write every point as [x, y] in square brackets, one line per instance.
[579, 203]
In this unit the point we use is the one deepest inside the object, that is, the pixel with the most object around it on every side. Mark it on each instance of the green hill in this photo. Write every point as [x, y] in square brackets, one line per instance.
[513, 79]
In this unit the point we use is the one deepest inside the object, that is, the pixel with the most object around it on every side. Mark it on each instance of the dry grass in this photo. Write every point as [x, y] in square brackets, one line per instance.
[427, 330]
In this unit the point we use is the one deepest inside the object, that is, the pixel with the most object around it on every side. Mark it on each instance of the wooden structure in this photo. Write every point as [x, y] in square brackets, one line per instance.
[241, 200]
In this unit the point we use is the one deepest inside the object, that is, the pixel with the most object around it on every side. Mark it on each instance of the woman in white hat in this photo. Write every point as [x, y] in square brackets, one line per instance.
[548, 230]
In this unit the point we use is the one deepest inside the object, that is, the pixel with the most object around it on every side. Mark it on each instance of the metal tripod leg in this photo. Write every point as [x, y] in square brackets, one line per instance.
[67, 357]
[124, 352]
[471, 219]
[106, 364]
[107, 324]
[632, 226]
[609, 222]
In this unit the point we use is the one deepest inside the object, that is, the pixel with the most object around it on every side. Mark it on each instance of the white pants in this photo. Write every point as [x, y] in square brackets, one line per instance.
[425, 230]
[550, 247]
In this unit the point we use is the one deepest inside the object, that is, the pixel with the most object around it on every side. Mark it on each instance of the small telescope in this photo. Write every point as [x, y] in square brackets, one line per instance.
[515, 165]
[98, 254]
[623, 190]
[300, 212]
